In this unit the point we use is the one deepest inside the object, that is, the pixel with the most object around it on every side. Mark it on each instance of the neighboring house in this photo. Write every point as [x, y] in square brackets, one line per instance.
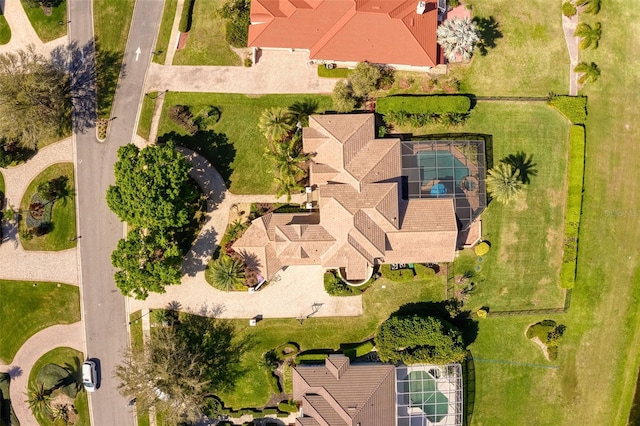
[394, 32]
[373, 201]
[339, 393]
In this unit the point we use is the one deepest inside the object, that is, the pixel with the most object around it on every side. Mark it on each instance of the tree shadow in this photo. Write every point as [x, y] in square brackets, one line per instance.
[523, 163]
[489, 33]
[74, 368]
[462, 320]
[218, 342]
[200, 253]
[14, 372]
[215, 147]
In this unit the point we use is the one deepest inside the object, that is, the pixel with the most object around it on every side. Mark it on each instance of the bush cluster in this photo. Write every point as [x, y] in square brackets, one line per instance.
[363, 79]
[550, 333]
[334, 286]
[288, 407]
[187, 15]
[182, 116]
[574, 206]
[572, 107]
[430, 104]
[399, 275]
[236, 13]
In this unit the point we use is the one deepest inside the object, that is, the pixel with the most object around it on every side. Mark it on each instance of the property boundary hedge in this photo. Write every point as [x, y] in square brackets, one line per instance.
[432, 104]
[187, 16]
[573, 207]
[572, 107]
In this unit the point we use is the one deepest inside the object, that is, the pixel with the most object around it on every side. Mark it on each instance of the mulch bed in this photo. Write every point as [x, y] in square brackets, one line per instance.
[182, 41]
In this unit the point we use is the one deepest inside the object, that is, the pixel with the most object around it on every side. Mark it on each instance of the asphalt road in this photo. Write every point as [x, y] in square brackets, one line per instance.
[99, 230]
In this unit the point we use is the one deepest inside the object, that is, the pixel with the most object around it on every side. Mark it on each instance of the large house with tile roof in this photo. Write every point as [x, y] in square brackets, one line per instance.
[366, 208]
[401, 33]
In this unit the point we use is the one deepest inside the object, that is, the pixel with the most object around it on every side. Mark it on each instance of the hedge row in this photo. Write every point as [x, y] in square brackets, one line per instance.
[574, 206]
[187, 15]
[572, 107]
[356, 351]
[333, 73]
[311, 358]
[434, 104]
[256, 413]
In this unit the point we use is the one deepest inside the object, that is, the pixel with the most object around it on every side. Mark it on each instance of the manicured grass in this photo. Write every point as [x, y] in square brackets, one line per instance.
[333, 73]
[253, 389]
[137, 344]
[25, 310]
[2, 187]
[111, 25]
[164, 35]
[5, 31]
[63, 357]
[63, 216]
[234, 145]
[530, 59]
[522, 269]
[207, 44]
[48, 27]
[146, 114]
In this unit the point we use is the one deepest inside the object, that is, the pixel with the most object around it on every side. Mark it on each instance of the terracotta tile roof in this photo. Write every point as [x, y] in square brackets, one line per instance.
[360, 222]
[378, 31]
[362, 394]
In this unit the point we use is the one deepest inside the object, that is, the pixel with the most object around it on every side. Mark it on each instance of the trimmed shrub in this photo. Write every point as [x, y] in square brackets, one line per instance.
[357, 350]
[288, 407]
[182, 116]
[287, 350]
[343, 98]
[569, 9]
[399, 275]
[574, 206]
[423, 272]
[434, 104]
[364, 79]
[572, 107]
[311, 358]
[187, 15]
[248, 62]
[334, 286]
[550, 334]
[482, 249]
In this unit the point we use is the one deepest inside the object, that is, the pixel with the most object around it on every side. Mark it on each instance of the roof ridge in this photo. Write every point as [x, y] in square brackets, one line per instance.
[391, 370]
[331, 33]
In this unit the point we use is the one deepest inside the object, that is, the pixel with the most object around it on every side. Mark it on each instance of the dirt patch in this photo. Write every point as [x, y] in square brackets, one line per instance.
[182, 41]
[521, 203]
[542, 346]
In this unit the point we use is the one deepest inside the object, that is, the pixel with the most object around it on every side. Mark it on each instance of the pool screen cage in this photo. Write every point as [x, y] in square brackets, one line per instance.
[447, 169]
[429, 395]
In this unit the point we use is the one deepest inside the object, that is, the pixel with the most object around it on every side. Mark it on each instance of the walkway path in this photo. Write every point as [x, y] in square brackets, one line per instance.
[290, 296]
[39, 344]
[22, 33]
[275, 72]
[20, 264]
[175, 34]
[568, 27]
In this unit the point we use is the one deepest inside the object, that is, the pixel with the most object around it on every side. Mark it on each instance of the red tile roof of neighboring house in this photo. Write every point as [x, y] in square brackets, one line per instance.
[377, 31]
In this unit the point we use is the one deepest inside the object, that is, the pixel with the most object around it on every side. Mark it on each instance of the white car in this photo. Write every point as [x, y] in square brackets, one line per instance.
[89, 376]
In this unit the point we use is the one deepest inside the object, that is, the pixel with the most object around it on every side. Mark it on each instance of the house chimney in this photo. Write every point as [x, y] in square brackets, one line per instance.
[422, 6]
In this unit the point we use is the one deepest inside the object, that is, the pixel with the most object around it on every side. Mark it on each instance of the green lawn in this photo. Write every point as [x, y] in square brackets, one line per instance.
[5, 31]
[63, 216]
[2, 187]
[111, 25]
[164, 35]
[234, 145]
[253, 389]
[207, 44]
[146, 114]
[137, 345]
[25, 310]
[48, 27]
[530, 59]
[63, 357]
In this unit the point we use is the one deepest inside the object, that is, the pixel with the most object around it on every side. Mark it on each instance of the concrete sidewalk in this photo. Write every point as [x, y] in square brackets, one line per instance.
[275, 72]
[71, 336]
[568, 27]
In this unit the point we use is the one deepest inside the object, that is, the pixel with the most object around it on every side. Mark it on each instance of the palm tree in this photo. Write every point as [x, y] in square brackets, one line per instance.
[39, 399]
[503, 183]
[590, 6]
[458, 37]
[226, 273]
[590, 36]
[288, 157]
[301, 110]
[275, 123]
[590, 72]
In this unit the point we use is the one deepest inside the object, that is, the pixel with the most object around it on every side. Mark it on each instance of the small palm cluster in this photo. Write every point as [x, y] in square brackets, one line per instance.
[458, 38]
[226, 273]
[281, 127]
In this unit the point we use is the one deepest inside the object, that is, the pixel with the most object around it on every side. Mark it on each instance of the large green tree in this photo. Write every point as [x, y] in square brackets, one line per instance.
[35, 100]
[152, 187]
[148, 260]
[364, 79]
[180, 366]
[415, 340]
